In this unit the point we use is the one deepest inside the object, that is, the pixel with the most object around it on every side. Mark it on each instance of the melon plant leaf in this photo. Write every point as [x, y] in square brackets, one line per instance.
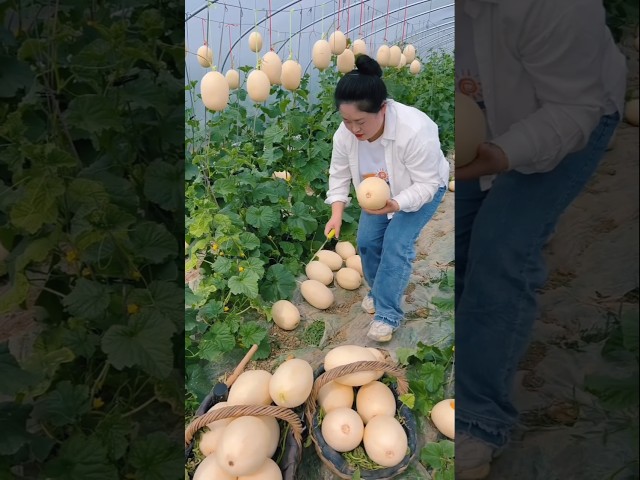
[263, 218]
[163, 185]
[301, 219]
[144, 342]
[14, 379]
[88, 299]
[93, 113]
[81, 457]
[13, 421]
[249, 241]
[64, 405]
[153, 242]
[251, 333]
[170, 390]
[156, 457]
[112, 432]
[245, 283]
[37, 204]
[217, 341]
[14, 76]
[278, 284]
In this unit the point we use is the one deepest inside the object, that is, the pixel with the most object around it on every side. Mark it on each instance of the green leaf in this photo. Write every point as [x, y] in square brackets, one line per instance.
[435, 455]
[245, 283]
[153, 242]
[630, 325]
[14, 378]
[88, 299]
[38, 204]
[144, 342]
[403, 354]
[64, 405]
[170, 390]
[212, 309]
[163, 185]
[301, 223]
[14, 76]
[249, 241]
[218, 340]
[156, 457]
[112, 432]
[263, 218]
[251, 333]
[614, 393]
[279, 284]
[409, 399]
[13, 425]
[93, 113]
[81, 457]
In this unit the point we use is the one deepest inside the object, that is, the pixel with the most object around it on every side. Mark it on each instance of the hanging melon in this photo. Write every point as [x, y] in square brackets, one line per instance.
[383, 56]
[359, 47]
[321, 54]
[272, 66]
[255, 42]
[205, 56]
[258, 86]
[346, 61]
[410, 52]
[214, 90]
[394, 56]
[415, 67]
[291, 75]
[403, 61]
[233, 79]
[470, 129]
[337, 42]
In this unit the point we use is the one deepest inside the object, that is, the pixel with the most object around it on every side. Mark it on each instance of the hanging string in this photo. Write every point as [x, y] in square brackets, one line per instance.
[386, 21]
[222, 32]
[290, 30]
[270, 30]
[230, 47]
[204, 31]
[373, 14]
[404, 24]
[322, 21]
[338, 27]
[255, 27]
[361, 11]
[299, 35]
[348, 15]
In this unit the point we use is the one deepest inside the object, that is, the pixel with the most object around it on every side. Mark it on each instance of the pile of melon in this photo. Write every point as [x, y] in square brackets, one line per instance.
[242, 448]
[359, 411]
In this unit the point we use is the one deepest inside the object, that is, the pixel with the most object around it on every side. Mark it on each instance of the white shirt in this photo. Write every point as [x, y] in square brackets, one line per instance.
[550, 69]
[415, 162]
[371, 160]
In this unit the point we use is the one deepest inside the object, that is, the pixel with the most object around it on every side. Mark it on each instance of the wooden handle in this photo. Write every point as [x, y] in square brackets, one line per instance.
[241, 366]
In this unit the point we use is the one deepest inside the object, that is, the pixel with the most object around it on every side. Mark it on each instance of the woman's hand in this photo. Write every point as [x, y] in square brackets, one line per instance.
[489, 160]
[390, 207]
[333, 223]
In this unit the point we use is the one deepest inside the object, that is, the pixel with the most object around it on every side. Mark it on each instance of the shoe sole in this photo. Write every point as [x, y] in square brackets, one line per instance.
[478, 473]
[380, 339]
[371, 311]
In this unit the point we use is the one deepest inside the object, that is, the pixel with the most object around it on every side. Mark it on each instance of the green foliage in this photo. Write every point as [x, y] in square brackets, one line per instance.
[90, 105]
[440, 457]
[249, 234]
[621, 14]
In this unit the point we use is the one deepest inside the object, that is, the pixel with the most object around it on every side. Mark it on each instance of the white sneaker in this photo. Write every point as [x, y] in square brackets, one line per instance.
[380, 331]
[367, 304]
[473, 458]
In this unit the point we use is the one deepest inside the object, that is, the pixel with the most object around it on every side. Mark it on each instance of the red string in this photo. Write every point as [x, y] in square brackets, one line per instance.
[361, 11]
[404, 24]
[348, 15]
[230, 49]
[386, 21]
[338, 27]
[270, 31]
[204, 31]
[373, 14]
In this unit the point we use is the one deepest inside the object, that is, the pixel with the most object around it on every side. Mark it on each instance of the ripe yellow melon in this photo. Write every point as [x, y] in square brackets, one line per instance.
[284, 175]
[285, 314]
[452, 186]
[337, 42]
[410, 53]
[355, 262]
[233, 79]
[331, 259]
[470, 129]
[245, 446]
[342, 429]
[291, 383]
[373, 399]
[319, 271]
[443, 415]
[383, 56]
[274, 433]
[403, 61]
[214, 90]
[209, 468]
[415, 67]
[255, 42]
[258, 86]
[345, 354]
[373, 193]
[272, 66]
[250, 388]
[268, 471]
[321, 54]
[394, 56]
[317, 294]
[631, 112]
[346, 61]
[204, 56]
[345, 249]
[291, 75]
[385, 441]
[210, 439]
[335, 395]
[359, 47]
[348, 278]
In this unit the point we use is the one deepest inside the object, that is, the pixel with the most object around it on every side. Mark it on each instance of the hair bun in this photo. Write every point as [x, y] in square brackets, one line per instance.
[368, 66]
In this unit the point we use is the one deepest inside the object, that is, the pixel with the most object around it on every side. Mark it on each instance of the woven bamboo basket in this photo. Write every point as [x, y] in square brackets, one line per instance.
[334, 460]
[280, 413]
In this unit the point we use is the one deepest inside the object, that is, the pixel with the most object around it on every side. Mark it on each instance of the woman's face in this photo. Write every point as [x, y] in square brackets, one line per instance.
[364, 125]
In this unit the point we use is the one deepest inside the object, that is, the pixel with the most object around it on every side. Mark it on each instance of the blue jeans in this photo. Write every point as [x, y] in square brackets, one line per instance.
[500, 234]
[387, 249]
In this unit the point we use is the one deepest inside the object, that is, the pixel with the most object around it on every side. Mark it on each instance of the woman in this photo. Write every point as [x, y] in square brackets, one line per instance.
[399, 144]
[552, 82]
